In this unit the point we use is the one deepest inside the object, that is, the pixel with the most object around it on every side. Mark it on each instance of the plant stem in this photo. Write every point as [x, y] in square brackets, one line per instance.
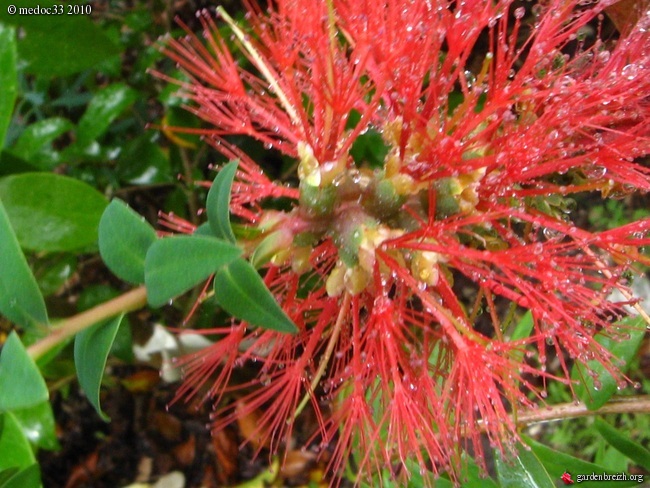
[626, 404]
[129, 301]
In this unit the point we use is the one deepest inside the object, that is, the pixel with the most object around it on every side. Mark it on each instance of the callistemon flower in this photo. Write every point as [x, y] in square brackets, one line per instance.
[405, 275]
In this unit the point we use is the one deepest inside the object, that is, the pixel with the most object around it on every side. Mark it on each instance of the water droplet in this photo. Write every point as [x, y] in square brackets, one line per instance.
[630, 71]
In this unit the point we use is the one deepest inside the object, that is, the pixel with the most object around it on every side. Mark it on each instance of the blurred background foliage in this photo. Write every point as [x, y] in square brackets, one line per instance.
[82, 121]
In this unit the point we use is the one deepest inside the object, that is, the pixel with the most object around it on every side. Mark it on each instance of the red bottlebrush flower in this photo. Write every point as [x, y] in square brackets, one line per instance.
[404, 279]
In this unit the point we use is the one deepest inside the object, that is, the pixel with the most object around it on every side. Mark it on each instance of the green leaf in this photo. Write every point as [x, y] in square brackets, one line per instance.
[38, 425]
[218, 202]
[523, 327]
[34, 144]
[473, 477]
[522, 331]
[8, 78]
[596, 390]
[50, 212]
[176, 264]
[556, 463]
[369, 148]
[204, 230]
[91, 348]
[21, 384]
[105, 106]
[241, 292]
[124, 238]
[94, 295]
[143, 162]
[58, 45]
[53, 270]
[637, 453]
[20, 299]
[8, 473]
[524, 470]
[29, 477]
[15, 451]
[10, 165]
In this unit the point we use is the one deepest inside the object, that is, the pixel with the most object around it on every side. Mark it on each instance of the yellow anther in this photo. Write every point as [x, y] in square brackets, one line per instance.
[424, 266]
[308, 169]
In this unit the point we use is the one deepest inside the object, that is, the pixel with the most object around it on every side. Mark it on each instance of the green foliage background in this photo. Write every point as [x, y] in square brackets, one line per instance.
[80, 125]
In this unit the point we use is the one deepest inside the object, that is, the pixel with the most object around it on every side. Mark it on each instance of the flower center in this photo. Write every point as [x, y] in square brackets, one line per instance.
[359, 210]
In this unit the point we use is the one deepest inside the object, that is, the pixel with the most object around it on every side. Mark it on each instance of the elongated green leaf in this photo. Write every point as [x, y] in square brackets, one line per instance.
[557, 463]
[473, 477]
[29, 477]
[636, 452]
[8, 78]
[91, 348]
[94, 295]
[34, 144]
[241, 292]
[105, 106]
[20, 299]
[523, 327]
[38, 425]
[21, 384]
[124, 238]
[524, 470]
[176, 264]
[50, 212]
[594, 391]
[15, 451]
[521, 331]
[218, 202]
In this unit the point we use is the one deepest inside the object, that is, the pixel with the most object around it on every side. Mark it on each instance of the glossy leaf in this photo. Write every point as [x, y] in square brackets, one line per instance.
[34, 144]
[177, 264]
[218, 202]
[29, 477]
[15, 451]
[525, 469]
[143, 162]
[50, 212]
[636, 452]
[241, 292]
[557, 463]
[21, 384]
[38, 425]
[20, 299]
[53, 271]
[59, 45]
[8, 80]
[595, 392]
[105, 107]
[91, 348]
[124, 238]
